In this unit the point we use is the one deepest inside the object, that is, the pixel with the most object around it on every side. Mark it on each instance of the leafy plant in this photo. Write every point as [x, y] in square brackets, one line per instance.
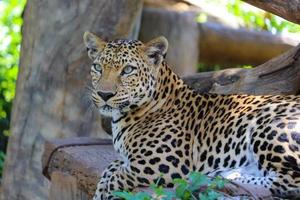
[2, 158]
[254, 18]
[202, 67]
[197, 186]
[10, 39]
[258, 19]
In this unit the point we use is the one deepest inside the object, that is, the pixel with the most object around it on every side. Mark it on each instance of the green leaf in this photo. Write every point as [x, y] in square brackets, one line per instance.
[142, 196]
[169, 195]
[179, 181]
[187, 195]
[10, 39]
[180, 190]
[197, 180]
[220, 182]
[159, 190]
[124, 194]
[203, 196]
[181, 187]
[212, 195]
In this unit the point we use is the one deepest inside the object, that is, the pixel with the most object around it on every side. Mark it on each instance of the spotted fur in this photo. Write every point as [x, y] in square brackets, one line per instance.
[160, 125]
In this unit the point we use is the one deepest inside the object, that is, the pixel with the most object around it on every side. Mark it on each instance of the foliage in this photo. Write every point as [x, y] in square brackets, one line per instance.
[249, 17]
[202, 67]
[197, 186]
[258, 19]
[10, 39]
[2, 157]
[254, 18]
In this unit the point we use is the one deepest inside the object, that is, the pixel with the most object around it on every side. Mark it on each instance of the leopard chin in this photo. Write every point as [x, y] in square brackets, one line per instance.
[109, 111]
[106, 110]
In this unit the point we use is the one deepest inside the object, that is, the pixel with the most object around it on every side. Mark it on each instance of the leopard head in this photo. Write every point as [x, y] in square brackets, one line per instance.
[124, 72]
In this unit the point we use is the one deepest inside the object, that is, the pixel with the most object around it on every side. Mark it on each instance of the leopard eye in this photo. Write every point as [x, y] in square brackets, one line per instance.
[128, 69]
[97, 68]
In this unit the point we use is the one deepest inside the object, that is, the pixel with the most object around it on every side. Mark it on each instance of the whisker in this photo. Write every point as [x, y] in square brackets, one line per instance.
[124, 104]
[120, 99]
[87, 100]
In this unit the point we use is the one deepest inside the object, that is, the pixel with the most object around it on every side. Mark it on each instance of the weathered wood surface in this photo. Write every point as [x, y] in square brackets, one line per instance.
[81, 160]
[181, 30]
[287, 9]
[54, 70]
[64, 187]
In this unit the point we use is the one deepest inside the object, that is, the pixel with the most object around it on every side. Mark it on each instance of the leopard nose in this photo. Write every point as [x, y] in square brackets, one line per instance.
[105, 95]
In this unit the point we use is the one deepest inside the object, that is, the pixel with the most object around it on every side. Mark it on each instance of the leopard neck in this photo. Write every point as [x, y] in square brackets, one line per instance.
[168, 86]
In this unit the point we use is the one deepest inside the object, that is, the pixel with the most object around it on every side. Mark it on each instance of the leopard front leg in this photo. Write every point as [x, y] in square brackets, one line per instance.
[101, 191]
[118, 177]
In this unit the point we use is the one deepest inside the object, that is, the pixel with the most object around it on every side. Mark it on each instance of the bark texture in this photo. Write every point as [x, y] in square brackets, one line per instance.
[288, 10]
[181, 30]
[82, 158]
[54, 70]
[64, 186]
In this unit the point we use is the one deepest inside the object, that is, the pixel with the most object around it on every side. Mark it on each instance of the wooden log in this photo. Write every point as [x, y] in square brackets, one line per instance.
[74, 167]
[212, 43]
[82, 158]
[280, 75]
[225, 46]
[288, 10]
[64, 186]
[51, 88]
[181, 29]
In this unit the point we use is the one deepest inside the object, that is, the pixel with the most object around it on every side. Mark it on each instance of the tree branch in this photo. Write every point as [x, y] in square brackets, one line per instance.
[288, 10]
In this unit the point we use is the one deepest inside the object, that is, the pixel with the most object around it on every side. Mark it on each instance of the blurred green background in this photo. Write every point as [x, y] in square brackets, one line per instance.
[257, 19]
[10, 39]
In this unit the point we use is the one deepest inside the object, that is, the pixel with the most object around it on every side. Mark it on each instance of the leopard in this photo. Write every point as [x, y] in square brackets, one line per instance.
[163, 129]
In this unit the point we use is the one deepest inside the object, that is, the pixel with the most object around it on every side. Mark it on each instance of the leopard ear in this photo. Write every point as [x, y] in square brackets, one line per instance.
[94, 44]
[156, 50]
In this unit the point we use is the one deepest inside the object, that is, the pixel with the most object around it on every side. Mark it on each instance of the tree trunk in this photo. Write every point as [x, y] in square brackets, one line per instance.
[86, 166]
[51, 82]
[181, 30]
[287, 9]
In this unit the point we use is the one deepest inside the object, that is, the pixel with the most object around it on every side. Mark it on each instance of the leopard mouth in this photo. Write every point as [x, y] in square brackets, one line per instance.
[106, 108]
[124, 104]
